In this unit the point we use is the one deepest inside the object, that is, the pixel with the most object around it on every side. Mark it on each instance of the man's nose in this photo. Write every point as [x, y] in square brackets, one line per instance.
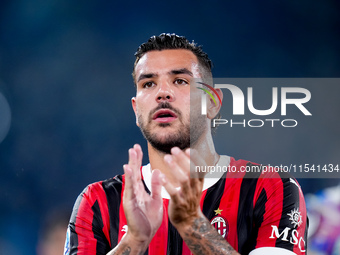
[165, 92]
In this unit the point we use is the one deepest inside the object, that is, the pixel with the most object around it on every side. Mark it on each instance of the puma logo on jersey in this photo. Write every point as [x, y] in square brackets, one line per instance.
[125, 228]
[294, 182]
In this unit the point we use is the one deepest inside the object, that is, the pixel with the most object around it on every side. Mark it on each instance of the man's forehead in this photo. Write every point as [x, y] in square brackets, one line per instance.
[165, 60]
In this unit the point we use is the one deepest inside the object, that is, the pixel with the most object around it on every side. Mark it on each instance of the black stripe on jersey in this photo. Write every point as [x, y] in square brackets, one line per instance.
[175, 241]
[213, 197]
[291, 200]
[259, 210]
[146, 188]
[113, 190]
[306, 234]
[73, 235]
[246, 211]
[97, 229]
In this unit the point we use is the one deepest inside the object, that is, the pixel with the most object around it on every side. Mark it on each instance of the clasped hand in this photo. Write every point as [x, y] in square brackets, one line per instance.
[143, 211]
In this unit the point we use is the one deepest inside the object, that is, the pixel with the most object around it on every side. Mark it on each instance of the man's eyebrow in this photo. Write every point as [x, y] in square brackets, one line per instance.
[146, 76]
[172, 72]
[181, 71]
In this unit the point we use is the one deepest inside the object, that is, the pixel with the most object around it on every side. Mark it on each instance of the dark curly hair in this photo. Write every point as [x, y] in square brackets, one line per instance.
[168, 41]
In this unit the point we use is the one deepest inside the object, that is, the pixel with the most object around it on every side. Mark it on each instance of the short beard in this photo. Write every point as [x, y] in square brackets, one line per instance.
[181, 139]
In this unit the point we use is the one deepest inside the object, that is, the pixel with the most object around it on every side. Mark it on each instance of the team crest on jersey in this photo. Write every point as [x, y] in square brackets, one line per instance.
[221, 224]
[295, 217]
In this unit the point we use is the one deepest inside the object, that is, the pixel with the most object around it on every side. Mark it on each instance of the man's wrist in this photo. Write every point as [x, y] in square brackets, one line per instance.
[130, 245]
[202, 238]
[189, 222]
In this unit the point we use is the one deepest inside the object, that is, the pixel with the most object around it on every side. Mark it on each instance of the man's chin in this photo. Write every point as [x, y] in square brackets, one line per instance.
[166, 143]
[161, 131]
[165, 136]
[164, 125]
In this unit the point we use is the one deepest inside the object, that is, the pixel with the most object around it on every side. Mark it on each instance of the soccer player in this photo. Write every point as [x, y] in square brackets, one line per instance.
[161, 208]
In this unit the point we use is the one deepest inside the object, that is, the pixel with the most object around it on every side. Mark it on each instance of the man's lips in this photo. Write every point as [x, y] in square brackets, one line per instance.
[164, 116]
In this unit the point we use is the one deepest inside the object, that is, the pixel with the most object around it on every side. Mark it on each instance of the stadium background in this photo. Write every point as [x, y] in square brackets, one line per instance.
[65, 81]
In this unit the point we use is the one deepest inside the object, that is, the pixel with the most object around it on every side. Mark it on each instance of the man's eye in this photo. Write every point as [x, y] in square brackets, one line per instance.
[148, 84]
[181, 82]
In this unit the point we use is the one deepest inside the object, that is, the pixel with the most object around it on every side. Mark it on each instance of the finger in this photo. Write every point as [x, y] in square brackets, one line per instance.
[181, 159]
[186, 160]
[129, 183]
[177, 173]
[139, 152]
[157, 179]
[181, 176]
[134, 164]
[196, 163]
[172, 190]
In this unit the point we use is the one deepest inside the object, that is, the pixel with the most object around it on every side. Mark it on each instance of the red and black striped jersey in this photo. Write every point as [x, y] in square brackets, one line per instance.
[254, 213]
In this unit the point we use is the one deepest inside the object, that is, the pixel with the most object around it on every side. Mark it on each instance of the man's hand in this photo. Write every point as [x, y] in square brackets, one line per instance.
[184, 207]
[144, 212]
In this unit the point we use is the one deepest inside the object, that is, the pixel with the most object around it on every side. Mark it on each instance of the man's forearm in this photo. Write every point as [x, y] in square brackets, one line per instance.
[203, 239]
[128, 246]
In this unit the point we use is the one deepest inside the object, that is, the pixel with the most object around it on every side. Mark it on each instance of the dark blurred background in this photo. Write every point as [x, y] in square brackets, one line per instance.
[65, 87]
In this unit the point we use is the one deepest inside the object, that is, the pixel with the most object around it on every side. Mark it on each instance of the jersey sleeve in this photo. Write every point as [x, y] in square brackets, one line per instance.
[87, 231]
[280, 211]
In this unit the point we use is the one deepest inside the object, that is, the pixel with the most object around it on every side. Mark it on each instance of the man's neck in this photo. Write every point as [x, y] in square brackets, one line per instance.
[204, 147]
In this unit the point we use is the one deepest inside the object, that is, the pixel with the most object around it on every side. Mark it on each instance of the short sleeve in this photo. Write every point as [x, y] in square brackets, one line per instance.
[85, 233]
[282, 215]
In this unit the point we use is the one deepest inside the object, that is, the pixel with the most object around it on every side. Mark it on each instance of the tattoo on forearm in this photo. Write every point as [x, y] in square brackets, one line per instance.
[203, 239]
[126, 250]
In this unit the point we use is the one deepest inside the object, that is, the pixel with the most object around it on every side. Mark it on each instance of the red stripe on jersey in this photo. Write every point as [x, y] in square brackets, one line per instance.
[185, 249]
[122, 218]
[302, 235]
[83, 225]
[204, 193]
[159, 243]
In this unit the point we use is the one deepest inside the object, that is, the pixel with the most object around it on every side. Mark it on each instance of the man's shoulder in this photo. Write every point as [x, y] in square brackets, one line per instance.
[265, 171]
[112, 184]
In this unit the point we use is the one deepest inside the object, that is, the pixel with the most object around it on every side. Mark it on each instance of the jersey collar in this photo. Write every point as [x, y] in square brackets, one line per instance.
[209, 179]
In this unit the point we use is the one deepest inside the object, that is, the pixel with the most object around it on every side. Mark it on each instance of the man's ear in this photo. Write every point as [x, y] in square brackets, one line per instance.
[134, 106]
[213, 108]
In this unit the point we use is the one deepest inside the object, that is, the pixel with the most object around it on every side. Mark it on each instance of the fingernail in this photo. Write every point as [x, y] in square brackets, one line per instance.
[162, 177]
[175, 150]
[168, 158]
[124, 168]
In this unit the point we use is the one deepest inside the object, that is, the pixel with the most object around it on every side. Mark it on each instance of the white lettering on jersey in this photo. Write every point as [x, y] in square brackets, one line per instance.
[275, 231]
[294, 236]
